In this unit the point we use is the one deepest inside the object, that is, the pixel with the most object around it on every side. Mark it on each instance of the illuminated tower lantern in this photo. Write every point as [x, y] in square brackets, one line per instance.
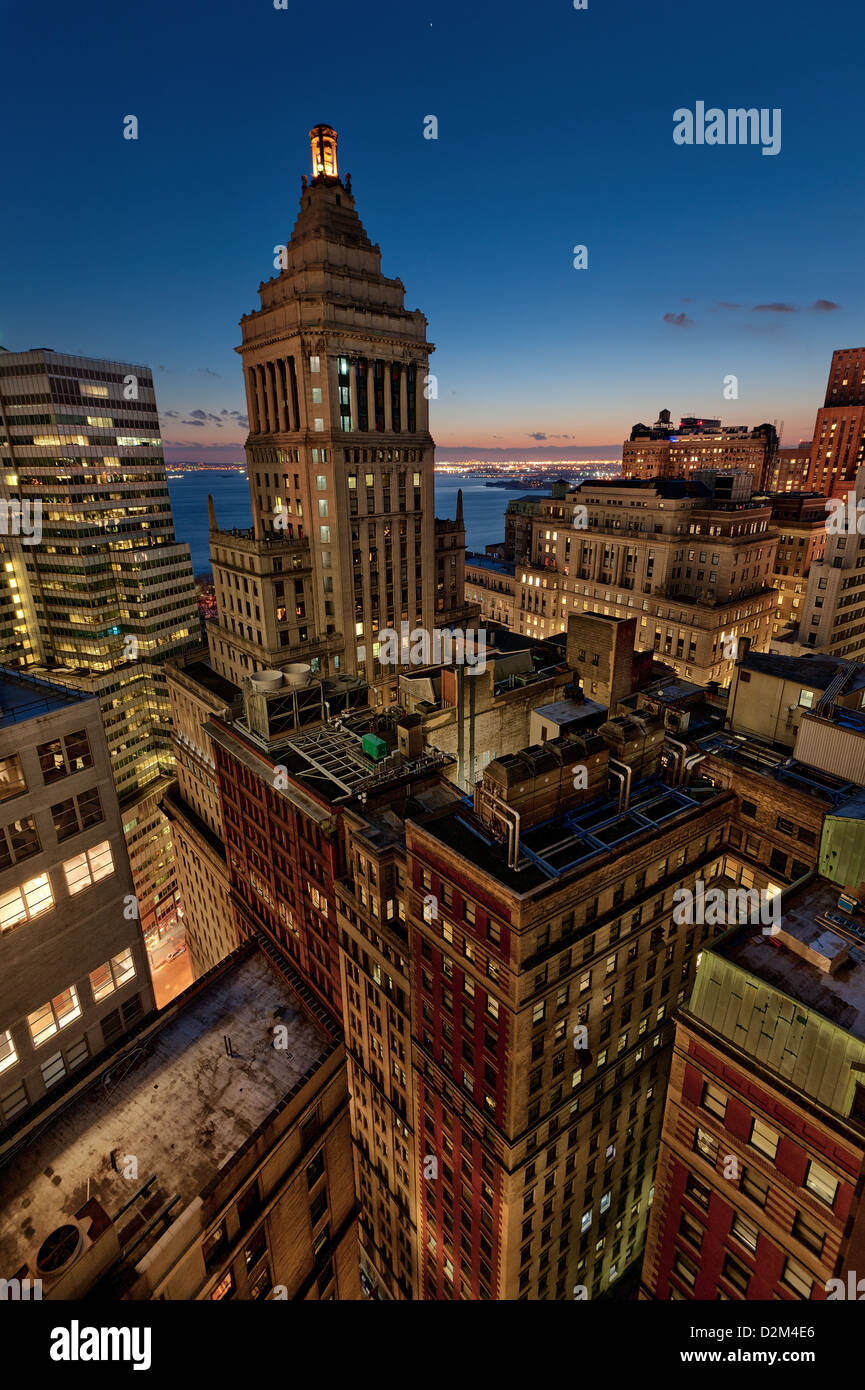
[339, 455]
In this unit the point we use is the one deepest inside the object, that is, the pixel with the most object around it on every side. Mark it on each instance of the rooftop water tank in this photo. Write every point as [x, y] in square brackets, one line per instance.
[298, 673]
[266, 680]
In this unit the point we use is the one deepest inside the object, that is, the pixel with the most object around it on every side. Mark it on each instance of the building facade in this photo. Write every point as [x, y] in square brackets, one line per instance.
[339, 456]
[74, 975]
[104, 594]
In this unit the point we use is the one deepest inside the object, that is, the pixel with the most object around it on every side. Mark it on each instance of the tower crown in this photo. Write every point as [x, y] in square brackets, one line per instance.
[322, 139]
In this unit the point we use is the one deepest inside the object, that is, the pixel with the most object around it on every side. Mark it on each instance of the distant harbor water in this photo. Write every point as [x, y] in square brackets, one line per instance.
[483, 508]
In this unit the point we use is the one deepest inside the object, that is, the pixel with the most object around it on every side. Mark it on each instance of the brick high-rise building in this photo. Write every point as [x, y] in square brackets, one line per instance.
[758, 1193]
[838, 447]
[545, 966]
[790, 470]
[340, 459]
[106, 594]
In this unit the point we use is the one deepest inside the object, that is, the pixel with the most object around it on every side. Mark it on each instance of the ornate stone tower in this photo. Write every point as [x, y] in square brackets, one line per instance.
[339, 455]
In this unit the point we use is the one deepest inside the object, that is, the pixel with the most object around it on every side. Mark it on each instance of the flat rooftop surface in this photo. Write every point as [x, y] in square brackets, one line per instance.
[571, 711]
[776, 762]
[557, 849]
[839, 996]
[815, 671]
[183, 1111]
[488, 562]
[24, 697]
[202, 674]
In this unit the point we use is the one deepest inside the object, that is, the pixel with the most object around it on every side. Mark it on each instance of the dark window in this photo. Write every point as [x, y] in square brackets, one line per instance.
[214, 1246]
[315, 1169]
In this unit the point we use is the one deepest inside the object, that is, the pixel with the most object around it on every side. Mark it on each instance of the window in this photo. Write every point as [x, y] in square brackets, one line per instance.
[63, 1009]
[12, 780]
[707, 1145]
[225, 1288]
[77, 813]
[714, 1100]
[697, 1191]
[315, 1169]
[749, 808]
[821, 1182]
[88, 868]
[31, 898]
[804, 1229]
[736, 1274]
[754, 1187]
[538, 1011]
[110, 976]
[796, 1277]
[60, 757]
[691, 1229]
[685, 1268]
[763, 1138]
[8, 1054]
[256, 1248]
[19, 840]
[744, 1231]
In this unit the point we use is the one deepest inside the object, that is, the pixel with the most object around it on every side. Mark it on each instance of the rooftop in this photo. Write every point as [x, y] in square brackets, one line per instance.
[555, 849]
[837, 995]
[571, 711]
[25, 697]
[816, 671]
[487, 562]
[204, 675]
[173, 1098]
[769, 761]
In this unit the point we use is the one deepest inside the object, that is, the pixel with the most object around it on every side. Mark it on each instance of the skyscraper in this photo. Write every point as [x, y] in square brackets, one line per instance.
[339, 455]
[100, 590]
[838, 447]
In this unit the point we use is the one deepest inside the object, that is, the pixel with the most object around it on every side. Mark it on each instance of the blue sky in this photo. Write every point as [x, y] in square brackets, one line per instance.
[555, 129]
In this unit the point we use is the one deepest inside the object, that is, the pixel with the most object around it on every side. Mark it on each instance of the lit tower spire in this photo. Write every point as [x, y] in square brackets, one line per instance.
[323, 140]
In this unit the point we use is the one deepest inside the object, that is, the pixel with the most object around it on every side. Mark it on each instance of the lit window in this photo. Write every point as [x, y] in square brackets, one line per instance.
[28, 900]
[764, 1138]
[85, 869]
[63, 1009]
[8, 1054]
[110, 976]
[821, 1182]
[315, 364]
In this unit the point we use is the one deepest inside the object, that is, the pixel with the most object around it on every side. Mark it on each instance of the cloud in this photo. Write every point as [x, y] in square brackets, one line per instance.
[207, 417]
[825, 306]
[774, 309]
[169, 414]
[679, 320]
[205, 371]
[537, 436]
[727, 304]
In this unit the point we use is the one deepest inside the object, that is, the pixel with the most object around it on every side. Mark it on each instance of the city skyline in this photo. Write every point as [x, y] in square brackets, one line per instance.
[739, 276]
